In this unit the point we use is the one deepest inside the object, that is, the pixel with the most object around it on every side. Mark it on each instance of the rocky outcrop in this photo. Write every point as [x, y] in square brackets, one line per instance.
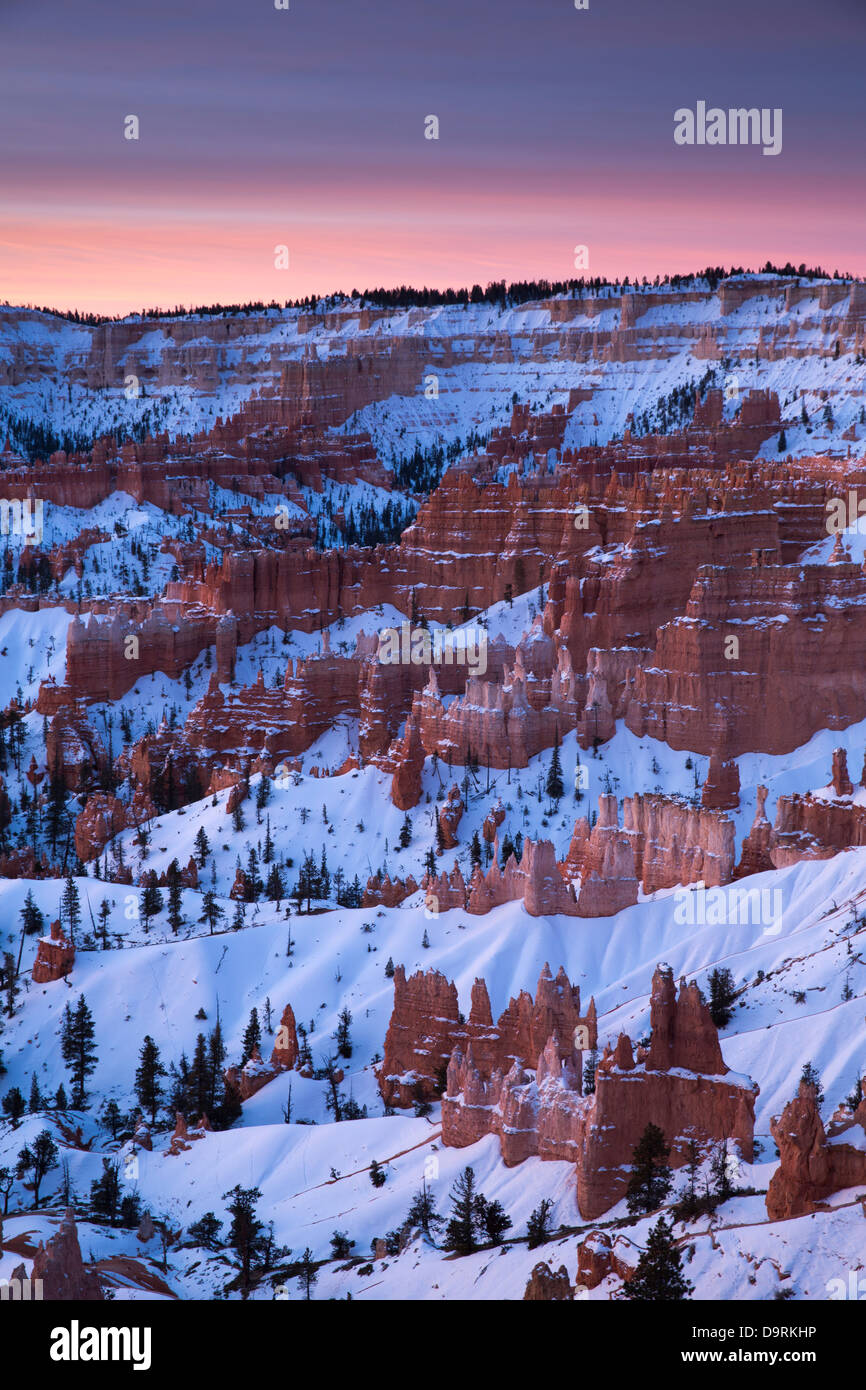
[811, 1166]
[721, 789]
[543, 1112]
[599, 1255]
[409, 755]
[426, 1030]
[247, 1080]
[546, 1287]
[55, 957]
[450, 816]
[105, 816]
[387, 892]
[842, 784]
[184, 1136]
[58, 1263]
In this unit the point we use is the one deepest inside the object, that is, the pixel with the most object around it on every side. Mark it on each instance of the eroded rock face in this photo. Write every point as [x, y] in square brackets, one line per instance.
[842, 784]
[546, 1287]
[247, 1080]
[425, 1031]
[810, 1167]
[681, 1085]
[58, 1263]
[599, 1255]
[55, 957]
[790, 674]
[721, 789]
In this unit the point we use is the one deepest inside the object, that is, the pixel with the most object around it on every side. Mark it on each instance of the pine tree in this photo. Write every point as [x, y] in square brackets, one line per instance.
[70, 908]
[275, 889]
[460, 1231]
[589, 1068]
[252, 1036]
[475, 849]
[341, 1246]
[423, 1211]
[812, 1077]
[202, 847]
[35, 1104]
[175, 904]
[151, 904]
[14, 1105]
[31, 918]
[538, 1226]
[60, 1098]
[720, 1170]
[37, 1160]
[377, 1174]
[389, 969]
[650, 1179]
[493, 1219]
[200, 1078]
[77, 1049]
[245, 1231]
[147, 1085]
[405, 839]
[659, 1276]
[722, 995]
[341, 1036]
[105, 1191]
[440, 837]
[307, 1272]
[111, 1117]
[104, 916]
[555, 785]
[205, 1231]
[212, 913]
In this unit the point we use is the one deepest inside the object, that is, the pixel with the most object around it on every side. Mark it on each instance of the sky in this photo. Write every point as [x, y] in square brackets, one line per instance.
[304, 128]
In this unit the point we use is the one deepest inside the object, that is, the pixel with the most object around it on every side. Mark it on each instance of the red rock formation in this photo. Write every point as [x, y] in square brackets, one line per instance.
[599, 1255]
[58, 1263]
[55, 957]
[425, 1030]
[420, 1036]
[546, 1287]
[247, 1080]
[788, 675]
[183, 1136]
[678, 843]
[721, 790]
[842, 785]
[286, 1051]
[104, 816]
[810, 1167]
[492, 821]
[449, 817]
[409, 755]
[73, 750]
[755, 854]
[545, 1113]
[683, 1034]
[387, 892]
